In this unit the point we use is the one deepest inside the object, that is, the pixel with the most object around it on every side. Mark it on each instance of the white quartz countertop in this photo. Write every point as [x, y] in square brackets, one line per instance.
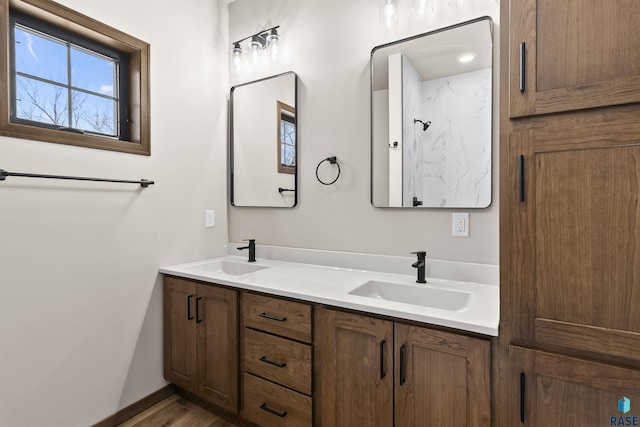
[332, 286]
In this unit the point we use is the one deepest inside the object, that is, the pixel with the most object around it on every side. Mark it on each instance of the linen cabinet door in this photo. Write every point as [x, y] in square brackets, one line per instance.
[353, 370]
[570, 55]
[549, 390]
[441, 379]
[587, 242]
[180, 333]
[217, 322]
[575, 232]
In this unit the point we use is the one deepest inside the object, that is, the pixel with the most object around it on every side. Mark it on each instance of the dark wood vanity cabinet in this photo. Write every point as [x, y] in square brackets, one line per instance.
[438, 378]
[570, 213]
[570, 55]
[201, 340]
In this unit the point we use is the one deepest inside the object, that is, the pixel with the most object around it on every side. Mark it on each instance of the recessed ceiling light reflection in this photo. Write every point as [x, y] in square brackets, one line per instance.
[466, 57]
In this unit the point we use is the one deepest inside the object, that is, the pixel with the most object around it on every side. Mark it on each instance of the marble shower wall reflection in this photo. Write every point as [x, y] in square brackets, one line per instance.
[431, 119]
[449, 163]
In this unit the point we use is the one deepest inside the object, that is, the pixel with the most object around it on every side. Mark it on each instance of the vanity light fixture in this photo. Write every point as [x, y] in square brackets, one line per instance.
[263, 41]
[466, 57]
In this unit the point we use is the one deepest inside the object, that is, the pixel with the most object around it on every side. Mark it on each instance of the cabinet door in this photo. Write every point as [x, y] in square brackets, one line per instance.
[180, 333]
[575, 279]
[353, 366]
[217, 320]
[551, 390]
[572, 54]
[441, 379]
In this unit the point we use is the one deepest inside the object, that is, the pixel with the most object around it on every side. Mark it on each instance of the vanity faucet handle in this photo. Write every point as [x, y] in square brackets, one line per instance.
[421, 254]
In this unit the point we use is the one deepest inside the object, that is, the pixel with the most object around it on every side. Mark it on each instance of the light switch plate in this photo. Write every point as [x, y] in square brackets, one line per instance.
[209, 219]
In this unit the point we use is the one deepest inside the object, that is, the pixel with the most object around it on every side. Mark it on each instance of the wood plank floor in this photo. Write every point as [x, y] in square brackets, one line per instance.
[175, 411]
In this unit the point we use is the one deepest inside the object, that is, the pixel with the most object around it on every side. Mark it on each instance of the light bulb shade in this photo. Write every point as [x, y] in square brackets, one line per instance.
[273, 36]
[273, 42]
[255, 51]
[422, 7]
[389, 13]
[256, 43]
[236, 59]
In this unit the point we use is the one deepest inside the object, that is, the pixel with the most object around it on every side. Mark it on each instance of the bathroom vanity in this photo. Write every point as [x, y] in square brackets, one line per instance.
[282, 343]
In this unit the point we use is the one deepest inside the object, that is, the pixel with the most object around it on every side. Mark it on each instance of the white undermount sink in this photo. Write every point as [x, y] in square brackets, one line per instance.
[422, 295]
[229, 267]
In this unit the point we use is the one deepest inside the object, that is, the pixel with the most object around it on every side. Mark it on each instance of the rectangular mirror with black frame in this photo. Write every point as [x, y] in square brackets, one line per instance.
[431, 119]
[263, 148]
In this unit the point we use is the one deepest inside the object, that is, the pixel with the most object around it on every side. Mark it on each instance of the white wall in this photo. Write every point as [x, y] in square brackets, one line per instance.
[329, 46]
[80, 294]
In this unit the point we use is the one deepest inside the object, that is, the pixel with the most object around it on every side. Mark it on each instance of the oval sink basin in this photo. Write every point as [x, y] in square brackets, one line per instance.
[425, 296]
[229, 267]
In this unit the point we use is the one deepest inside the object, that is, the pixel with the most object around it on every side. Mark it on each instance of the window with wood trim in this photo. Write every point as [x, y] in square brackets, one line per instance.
[71, 79]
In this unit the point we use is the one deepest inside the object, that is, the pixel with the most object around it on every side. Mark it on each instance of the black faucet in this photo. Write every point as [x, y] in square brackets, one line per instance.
[421, 265]
[252, 249]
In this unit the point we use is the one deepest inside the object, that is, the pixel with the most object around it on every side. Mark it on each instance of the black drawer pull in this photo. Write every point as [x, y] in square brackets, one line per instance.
[271, 362]
[189, 316]
[264, 407]
[270, 317]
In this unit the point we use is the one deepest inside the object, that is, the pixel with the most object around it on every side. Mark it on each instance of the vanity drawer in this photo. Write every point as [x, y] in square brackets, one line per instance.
[268, 404]
[278, 359]
[281, 317]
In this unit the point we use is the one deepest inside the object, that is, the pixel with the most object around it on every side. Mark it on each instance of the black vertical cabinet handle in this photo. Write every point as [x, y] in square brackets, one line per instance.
[402, 364]
[523, 64]
[189, 316]
[198, 319]
[522, 397]
[521, 177]
[382, 372]
[264, 407]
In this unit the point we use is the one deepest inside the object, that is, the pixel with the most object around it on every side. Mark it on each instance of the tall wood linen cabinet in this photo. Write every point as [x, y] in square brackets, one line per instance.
[569, 345]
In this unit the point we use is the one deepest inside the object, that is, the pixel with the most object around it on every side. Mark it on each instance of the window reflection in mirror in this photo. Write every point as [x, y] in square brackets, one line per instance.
[431, 119]
[263, 145]
[286, 138]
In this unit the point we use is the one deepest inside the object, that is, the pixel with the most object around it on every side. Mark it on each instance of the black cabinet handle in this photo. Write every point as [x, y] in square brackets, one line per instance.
[264, 407]
[523, 64]
[198, 319]
[189, 316]
[271, 362]
[521, 177]
[402, 364]
[270, 317]
[382, 372]
[522, 397]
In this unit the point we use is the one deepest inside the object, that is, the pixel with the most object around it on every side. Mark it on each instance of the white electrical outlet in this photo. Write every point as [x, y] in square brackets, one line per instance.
[209, 219]
[460, 224]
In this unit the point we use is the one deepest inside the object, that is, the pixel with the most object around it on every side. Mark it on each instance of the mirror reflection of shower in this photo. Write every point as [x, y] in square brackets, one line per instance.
[425, 125]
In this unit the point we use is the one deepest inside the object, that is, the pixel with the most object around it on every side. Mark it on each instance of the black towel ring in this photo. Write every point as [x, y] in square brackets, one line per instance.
[332, 160]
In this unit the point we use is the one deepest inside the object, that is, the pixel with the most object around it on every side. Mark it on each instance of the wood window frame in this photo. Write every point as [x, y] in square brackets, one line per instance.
[139, 139]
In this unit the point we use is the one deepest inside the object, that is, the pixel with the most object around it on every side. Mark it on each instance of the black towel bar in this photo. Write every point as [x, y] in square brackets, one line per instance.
[4, 174]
